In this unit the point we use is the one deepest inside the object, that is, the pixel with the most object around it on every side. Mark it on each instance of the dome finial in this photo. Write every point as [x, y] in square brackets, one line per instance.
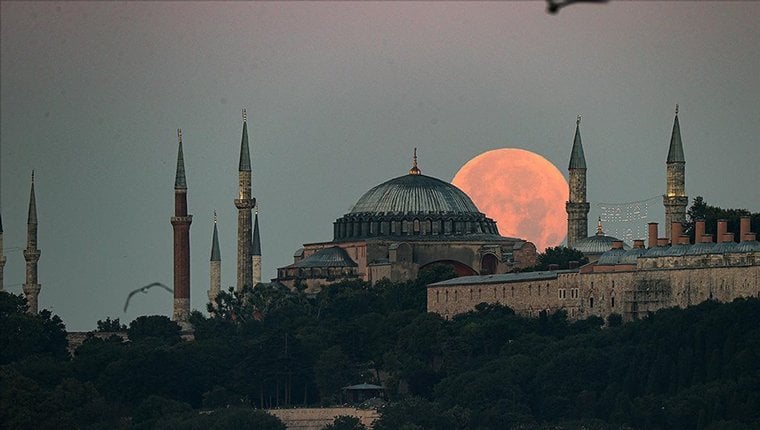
[599, 231]
[415, 170]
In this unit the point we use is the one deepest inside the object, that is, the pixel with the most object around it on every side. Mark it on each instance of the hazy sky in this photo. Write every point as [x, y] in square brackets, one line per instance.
[338, 94]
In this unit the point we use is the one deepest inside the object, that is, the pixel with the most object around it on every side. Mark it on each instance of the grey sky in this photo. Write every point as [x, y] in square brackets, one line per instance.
[338, 94]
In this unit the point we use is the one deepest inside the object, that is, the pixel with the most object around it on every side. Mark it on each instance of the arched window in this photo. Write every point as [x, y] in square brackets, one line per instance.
[416, 226]
[591, 302]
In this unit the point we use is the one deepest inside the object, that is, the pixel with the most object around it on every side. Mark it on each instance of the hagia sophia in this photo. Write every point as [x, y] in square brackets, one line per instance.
[413, 221]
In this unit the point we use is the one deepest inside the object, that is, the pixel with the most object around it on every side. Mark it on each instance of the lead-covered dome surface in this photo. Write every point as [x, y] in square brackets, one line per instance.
[415, 194]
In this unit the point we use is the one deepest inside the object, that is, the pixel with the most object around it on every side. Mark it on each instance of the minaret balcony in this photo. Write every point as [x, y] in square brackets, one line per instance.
[245, 203]
[181, 220]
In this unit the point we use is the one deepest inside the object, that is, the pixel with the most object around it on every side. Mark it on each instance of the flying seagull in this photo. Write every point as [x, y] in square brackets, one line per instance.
[144, 290]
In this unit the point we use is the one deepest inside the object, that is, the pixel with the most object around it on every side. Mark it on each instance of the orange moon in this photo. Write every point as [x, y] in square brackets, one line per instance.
[522, 191]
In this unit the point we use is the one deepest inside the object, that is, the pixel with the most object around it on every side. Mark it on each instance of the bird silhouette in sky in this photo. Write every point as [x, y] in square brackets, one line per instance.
[553, 6]
[144, 290]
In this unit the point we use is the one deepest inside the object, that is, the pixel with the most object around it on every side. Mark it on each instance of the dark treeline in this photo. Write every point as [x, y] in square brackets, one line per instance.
[488, 369]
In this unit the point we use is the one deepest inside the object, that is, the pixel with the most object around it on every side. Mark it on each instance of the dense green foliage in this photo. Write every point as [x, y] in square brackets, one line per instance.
[699, 209]
[487, 369]
[561, 256]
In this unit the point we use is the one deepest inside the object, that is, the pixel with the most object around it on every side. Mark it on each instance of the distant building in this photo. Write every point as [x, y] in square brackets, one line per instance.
[630, 281]
[402, 226]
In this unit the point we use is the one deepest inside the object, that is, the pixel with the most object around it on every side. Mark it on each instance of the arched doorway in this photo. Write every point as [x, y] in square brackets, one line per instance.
[488, 264]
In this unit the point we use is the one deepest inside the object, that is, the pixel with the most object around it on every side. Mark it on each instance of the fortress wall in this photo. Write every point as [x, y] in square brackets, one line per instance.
[631, 294]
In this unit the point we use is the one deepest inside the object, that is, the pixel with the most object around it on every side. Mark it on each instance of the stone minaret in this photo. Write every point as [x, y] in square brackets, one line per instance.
[31, 254]
[577, 207]
[2, 256]
[256, 250]
[244, 203]
[215, 270]
[181, 225]
[675, 199]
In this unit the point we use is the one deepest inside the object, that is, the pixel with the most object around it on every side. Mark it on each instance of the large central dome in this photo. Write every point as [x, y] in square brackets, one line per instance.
[415, 207]
[417, 194]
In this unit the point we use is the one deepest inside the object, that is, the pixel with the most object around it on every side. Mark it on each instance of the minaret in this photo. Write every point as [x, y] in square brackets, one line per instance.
[181, 225]
[577, 207]
[216, 267]
[2, 256]
[675, 199]
[244, 203]
[31, 254]
[256, 250]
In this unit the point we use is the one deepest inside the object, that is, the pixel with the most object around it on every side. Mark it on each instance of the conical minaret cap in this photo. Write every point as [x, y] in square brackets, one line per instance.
[32, 218]
[675, 153]
[245, 155]
[179, 179]
[256, 242]
[577, 159]
[215, 254]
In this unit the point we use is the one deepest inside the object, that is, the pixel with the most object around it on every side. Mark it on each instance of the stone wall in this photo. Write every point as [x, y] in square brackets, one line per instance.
[317, 418]
[631, 293]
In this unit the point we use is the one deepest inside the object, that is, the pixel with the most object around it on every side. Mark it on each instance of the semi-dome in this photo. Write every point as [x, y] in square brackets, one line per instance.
[418, 194]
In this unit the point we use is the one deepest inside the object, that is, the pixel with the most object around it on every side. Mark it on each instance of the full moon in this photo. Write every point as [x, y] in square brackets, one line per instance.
[522, 191]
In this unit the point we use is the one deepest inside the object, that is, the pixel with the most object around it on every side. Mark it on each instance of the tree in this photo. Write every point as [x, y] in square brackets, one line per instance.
[23, 334]
[561, 256]
[111, 325]
[700, 210]
[157, 327]
[345, 422]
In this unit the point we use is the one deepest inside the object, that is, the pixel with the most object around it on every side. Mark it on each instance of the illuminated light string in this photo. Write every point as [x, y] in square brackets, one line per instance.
[626, 221]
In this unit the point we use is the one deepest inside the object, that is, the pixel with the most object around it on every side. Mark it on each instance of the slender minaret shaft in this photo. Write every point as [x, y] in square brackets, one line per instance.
[244, 203]
[181, 225]
[675, 199]
[256, 250]
[2, 256]
[31, 287]
[215, 269]
[577, 207]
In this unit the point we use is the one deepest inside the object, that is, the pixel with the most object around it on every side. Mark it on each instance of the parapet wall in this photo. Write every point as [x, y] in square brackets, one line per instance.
[318, 418]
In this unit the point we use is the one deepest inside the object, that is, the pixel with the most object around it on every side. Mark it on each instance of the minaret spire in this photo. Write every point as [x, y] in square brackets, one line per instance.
[215, 267]
[415, 170]
[2, 256]
[675, 199]
[577, 207]
[244, 203]
[256, 250]
[31, 287]
[181, 225]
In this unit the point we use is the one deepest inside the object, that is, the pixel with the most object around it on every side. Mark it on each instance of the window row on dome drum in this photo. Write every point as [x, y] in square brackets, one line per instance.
[351, 227]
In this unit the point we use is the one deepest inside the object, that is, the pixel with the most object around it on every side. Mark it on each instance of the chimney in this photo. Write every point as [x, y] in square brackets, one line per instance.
[574, 264]
[662, 241]
[727, 237]
[652, 234]
[683, 239]
[707, 238]
[553, 267]
[750, 237]
[638, 243]
[675, 232]
[617, 244]
[744, 228]
[699, 230]
[722, 230]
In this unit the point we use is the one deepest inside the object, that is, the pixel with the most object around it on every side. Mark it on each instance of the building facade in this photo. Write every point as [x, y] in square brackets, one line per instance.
[402, 226]
[630, 281]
